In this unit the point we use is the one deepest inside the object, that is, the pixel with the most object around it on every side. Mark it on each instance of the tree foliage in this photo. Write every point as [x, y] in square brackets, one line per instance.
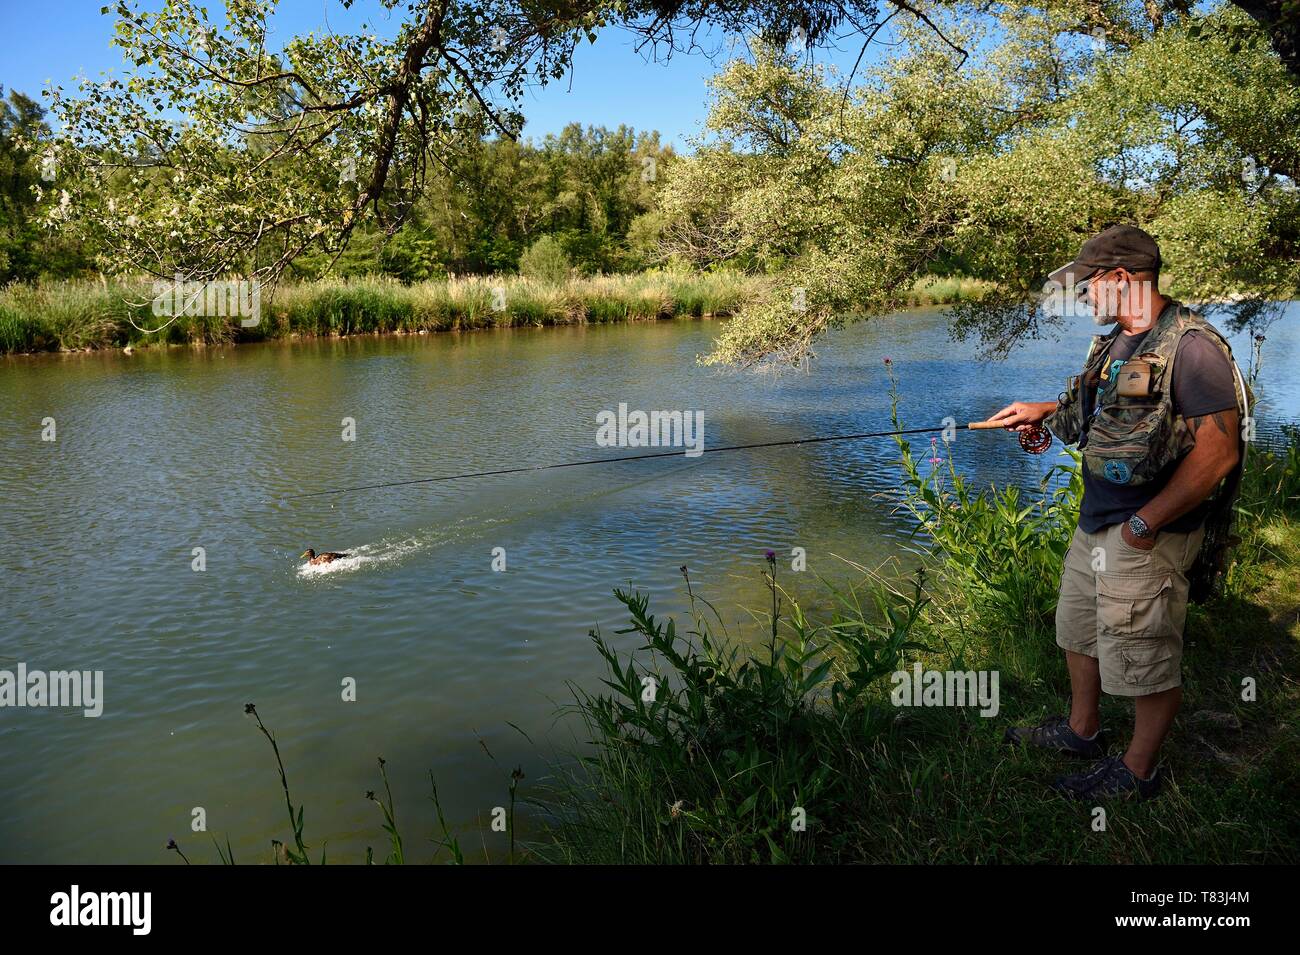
[242, 155]
[990, 141]
[997, 170]
[28, 248]
[592, 189]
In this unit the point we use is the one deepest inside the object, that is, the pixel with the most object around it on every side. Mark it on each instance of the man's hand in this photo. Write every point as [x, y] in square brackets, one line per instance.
[1023, 415]
[1141, 543]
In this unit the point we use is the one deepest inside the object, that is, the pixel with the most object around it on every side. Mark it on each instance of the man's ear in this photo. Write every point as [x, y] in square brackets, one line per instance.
[1123, 281]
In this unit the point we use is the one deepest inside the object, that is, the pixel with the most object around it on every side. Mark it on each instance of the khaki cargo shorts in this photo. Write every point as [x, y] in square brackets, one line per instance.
[1127, 607]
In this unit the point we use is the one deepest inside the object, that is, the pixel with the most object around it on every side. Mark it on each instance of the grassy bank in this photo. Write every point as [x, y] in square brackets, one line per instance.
[742, 745]
[88, 314]
[73, 316]
[946, 290]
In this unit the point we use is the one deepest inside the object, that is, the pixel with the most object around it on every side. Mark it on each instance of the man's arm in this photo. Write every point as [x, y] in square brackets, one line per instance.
[1213, 457]
[1022, 415]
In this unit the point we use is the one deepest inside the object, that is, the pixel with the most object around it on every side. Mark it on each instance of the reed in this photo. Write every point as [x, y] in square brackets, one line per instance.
[946, 290]
[78, 315]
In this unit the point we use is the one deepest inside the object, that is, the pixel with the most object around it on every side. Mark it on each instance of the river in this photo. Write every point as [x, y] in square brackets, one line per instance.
[162, 452]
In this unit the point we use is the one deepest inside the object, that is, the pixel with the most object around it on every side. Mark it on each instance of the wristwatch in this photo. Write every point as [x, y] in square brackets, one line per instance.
[1139, 527]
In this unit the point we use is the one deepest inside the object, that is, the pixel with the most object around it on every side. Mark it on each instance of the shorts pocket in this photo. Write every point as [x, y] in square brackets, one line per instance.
[1130, 548]
[1145, 662]
[1133, 606]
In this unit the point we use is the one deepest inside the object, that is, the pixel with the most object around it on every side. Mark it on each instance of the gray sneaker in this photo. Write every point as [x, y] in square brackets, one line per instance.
[1108, 779]
[1054, 733]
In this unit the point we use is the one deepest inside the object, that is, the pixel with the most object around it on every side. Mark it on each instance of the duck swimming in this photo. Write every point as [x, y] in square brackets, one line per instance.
[324, 557]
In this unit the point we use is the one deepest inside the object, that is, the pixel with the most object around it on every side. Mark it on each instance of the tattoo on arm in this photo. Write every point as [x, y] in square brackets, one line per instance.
[1196, 423]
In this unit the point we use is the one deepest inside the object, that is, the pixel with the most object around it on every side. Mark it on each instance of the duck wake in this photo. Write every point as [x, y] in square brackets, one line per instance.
[367, 555]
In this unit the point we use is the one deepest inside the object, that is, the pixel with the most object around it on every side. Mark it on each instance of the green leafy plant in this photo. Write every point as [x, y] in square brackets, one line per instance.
[711, 751]
[994, 550]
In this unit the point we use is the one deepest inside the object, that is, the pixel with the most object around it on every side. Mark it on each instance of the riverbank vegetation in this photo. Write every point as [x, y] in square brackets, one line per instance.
[86, 314]
[73, 315]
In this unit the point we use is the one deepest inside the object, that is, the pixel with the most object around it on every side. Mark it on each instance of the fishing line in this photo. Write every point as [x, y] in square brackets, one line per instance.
[1031, 441]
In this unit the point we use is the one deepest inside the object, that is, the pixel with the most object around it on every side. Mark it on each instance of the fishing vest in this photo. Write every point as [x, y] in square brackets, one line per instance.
[1134, 433]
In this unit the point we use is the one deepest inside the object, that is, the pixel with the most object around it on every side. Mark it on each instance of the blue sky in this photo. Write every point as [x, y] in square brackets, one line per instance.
[611, 84]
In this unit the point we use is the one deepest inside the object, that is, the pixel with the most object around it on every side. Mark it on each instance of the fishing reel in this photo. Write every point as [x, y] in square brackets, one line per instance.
[1036, 440]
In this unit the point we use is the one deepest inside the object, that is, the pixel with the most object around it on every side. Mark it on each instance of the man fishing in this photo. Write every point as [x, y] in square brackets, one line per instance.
[1157, 414]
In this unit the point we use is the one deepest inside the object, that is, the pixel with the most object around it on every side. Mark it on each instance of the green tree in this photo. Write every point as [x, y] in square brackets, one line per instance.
[998, 169]
[28, 170]
[587, 187]
[221, 149]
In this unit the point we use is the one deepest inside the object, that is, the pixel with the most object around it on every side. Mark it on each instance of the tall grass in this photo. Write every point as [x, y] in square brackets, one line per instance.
[75, 315]
[707, 751]
[85, 314]
[947, 290]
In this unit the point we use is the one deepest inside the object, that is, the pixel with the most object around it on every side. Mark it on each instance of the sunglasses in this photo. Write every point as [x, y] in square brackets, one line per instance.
[1081, 287]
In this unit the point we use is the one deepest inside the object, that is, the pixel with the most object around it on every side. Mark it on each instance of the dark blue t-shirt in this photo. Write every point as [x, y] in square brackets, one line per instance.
[1203, 383]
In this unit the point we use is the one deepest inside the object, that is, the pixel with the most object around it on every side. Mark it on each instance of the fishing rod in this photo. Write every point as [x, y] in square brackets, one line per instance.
[1035, 441]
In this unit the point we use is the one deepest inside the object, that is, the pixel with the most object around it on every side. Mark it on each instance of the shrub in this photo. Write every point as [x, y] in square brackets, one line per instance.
[545, 260]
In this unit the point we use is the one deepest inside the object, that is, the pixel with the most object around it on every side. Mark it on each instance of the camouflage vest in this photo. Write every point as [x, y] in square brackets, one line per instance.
[1134, 434]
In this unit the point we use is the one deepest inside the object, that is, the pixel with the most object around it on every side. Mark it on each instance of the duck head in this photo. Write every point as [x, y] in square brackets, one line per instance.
[308, 553]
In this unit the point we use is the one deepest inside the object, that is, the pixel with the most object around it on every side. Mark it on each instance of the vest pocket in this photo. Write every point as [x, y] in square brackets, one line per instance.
[1130, 606]
[1126, 442]
[1066, 421]
[1126, 423]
